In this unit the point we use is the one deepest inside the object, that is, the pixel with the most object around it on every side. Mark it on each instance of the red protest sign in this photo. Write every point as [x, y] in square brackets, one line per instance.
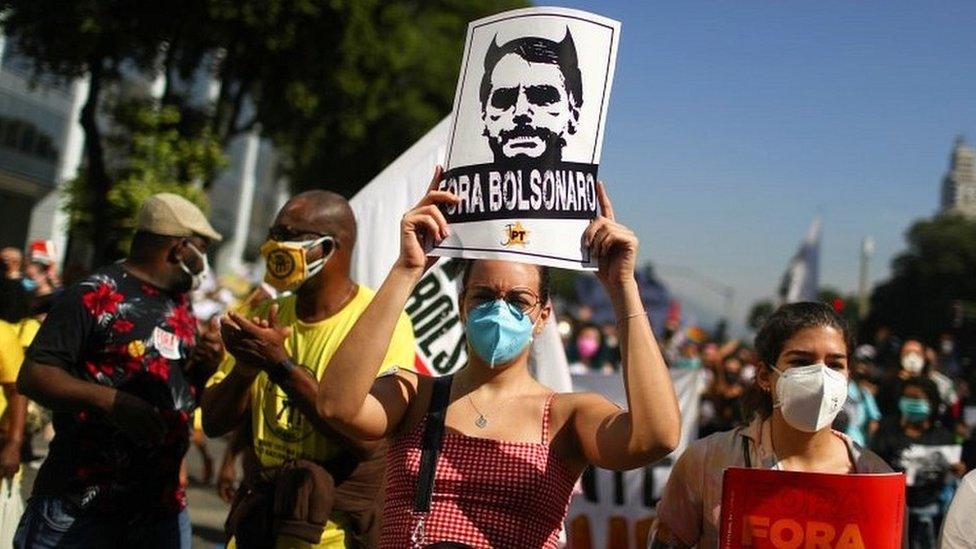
[789, 510]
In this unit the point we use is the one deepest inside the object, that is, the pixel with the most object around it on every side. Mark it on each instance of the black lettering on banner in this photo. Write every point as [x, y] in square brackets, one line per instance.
[432, 338]
[618, 488]
[433, 313]
[428, 287]
[566, 190]
[647, 494]
[588, 482]
[437, 311]
[444, 363]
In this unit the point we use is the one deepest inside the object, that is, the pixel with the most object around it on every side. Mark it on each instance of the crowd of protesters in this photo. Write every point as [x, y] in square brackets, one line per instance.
[909, 401]
[125, 356]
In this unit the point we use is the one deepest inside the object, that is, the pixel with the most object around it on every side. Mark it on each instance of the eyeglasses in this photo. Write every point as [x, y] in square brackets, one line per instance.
[522, 299]
[288, 234]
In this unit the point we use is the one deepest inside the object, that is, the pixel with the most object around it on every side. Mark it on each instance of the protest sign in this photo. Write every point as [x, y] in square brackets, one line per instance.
[526, 133]
[433, 305]
[787, 510]
[927, 464]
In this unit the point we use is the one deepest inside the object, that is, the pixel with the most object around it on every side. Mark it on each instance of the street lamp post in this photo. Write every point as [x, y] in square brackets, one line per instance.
[867, 250]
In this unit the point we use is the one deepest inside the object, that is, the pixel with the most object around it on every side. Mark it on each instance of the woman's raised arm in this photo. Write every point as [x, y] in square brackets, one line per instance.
[651, 426]
[348, 398]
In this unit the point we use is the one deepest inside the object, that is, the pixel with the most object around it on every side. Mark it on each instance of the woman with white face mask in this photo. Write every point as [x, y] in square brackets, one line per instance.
[800, 386]
[510, 449]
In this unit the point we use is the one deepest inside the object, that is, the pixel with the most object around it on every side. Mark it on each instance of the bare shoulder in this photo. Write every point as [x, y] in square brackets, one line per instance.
[575, 402]
[416, 389]
[567, 405]
[406, 383]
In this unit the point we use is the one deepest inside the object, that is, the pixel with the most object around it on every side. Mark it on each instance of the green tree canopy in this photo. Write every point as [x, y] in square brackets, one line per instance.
[758, 314]
[341, 87]
[933, 283]
[156, 158]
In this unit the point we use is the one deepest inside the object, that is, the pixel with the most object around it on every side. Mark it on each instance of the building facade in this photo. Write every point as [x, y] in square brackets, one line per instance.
[959, 184]
[40, 147]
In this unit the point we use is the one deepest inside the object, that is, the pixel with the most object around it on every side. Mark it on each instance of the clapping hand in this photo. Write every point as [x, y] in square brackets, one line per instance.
[255, 343]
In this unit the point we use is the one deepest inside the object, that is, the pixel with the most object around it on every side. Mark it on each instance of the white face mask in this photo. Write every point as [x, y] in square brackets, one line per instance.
[913, 363]
[810, 397]
[199, 277]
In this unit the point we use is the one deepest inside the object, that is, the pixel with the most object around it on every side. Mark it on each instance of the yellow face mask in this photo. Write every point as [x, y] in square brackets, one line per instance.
[286, 264]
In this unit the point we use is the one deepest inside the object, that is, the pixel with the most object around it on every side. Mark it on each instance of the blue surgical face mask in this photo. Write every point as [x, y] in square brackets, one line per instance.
[687, 363]
[915, 410]
[28, 284]
[498, 331]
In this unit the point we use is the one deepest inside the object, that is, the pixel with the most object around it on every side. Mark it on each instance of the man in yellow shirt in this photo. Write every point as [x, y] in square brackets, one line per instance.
[271, 375]
[13, 405]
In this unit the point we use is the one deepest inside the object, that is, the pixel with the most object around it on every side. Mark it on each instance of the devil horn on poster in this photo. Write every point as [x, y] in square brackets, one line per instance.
[524, 144]
[433, 307]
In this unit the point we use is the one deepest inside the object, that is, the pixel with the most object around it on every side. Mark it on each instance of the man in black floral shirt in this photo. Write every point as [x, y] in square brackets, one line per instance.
[119, 361]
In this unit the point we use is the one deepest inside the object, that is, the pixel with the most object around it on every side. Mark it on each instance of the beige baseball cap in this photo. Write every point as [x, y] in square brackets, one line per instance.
[170, 214]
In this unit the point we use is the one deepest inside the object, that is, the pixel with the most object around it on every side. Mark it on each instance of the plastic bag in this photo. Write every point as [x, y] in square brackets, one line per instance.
[11, 507]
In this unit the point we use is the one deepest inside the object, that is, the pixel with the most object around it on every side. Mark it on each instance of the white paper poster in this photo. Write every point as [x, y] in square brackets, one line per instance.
[925, 464]
[433, 307]
[526, 133]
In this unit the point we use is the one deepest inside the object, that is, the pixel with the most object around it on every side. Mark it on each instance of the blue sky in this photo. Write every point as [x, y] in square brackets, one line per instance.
[733, 124]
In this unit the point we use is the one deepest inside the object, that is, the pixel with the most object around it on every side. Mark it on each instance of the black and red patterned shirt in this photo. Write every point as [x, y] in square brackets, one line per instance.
[116, 330]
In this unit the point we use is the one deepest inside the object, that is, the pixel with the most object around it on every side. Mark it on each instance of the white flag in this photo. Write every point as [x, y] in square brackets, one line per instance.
[801, 281]
[433, 307]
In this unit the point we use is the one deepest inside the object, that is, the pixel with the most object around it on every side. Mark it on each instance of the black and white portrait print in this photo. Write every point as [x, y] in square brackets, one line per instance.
[531, 94]
[526, 134]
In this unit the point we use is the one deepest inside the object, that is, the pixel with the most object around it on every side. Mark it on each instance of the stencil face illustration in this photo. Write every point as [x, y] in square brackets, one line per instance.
[531, 95]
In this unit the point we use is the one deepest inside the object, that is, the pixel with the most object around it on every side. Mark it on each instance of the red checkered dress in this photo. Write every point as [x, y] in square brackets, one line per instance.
[487, 493]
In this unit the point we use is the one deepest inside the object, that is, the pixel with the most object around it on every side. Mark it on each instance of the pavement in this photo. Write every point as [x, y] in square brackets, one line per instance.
[207, 510]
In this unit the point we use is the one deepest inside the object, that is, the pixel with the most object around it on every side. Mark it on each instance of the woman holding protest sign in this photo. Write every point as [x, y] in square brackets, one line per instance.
[510, 449]
[800, 386]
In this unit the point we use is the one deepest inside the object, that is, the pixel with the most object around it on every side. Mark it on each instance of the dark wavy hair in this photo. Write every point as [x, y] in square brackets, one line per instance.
[538, 50]
[783, 324]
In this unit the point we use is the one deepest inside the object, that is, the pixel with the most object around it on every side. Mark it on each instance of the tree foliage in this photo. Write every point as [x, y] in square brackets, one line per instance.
[342, 87]
[156, 158]
[93, 38]
[758, 314]
[933, 283]
[345, 87]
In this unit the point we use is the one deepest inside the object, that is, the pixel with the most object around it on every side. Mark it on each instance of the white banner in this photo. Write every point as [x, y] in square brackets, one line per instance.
[616, 509]
[524, 146]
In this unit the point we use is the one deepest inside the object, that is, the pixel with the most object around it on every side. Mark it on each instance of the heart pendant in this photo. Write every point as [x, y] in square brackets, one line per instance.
[481, 422]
